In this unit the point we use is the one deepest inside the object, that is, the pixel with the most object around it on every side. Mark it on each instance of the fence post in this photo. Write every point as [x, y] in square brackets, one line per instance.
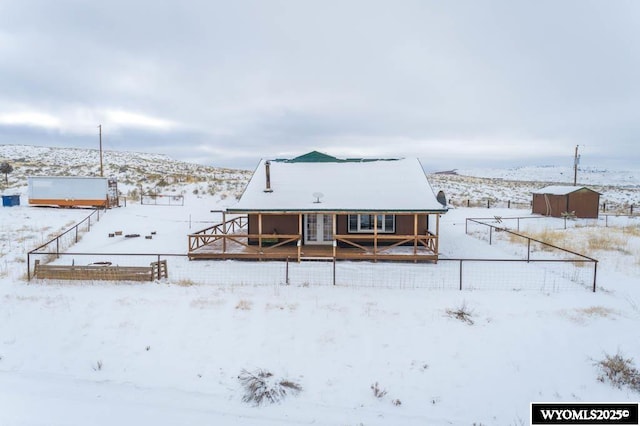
[488, 204]
[595, 273]
[460, 274]
[490, 234]
[509, 204]
[57, 247]
[334, 271]
[466, 226]
[518, 224]
[286, 274]
[468, 203]
[528, 249]
[76, 227]
[159, 274]
[29, 266]
[631, 210]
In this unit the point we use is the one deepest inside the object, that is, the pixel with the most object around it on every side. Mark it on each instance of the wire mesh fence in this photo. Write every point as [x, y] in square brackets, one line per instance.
[490, 203]
[526, 264]
[564, 263]
[447, 274]
[535, 223]
[608, 208]
[71, 236]
[162, 200]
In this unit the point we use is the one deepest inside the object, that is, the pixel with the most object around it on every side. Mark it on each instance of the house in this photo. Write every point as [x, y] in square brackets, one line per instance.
[316, 206]
[558, 200]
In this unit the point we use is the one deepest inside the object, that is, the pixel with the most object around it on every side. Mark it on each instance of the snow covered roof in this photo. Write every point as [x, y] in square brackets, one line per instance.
[396, 185]
[560, 189]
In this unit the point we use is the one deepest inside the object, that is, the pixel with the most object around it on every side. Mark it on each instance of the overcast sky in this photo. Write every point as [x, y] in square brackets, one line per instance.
[456, 83]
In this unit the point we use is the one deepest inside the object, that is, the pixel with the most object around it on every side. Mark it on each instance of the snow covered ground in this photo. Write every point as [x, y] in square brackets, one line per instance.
[170, 353]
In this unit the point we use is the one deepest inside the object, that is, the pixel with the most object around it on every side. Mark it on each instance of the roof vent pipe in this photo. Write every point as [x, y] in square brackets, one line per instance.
[267, 169]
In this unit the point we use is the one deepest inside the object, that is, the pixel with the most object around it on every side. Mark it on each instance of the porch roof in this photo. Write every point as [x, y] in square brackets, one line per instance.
[397, 185]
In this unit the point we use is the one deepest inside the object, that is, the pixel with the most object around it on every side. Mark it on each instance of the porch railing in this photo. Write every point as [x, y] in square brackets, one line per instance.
[214, 233]
[427, 241]
[231, 240]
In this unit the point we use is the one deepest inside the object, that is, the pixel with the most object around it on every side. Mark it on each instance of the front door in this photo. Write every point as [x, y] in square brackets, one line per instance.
[318, 229]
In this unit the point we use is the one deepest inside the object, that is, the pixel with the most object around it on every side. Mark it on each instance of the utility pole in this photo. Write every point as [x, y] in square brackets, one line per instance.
[101, 170]
[576, 161]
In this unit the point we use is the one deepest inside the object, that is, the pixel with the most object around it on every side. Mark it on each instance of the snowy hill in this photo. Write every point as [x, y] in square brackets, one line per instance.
[559, 174]
[619, 189]
[133, 170]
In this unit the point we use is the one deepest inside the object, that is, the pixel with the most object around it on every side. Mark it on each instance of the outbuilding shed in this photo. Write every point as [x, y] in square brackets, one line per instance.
[557, 200]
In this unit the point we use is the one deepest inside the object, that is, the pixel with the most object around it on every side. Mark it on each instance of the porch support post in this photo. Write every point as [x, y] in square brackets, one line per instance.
[299, 236]
[224, 221]
[375, 237]
[437, 235]
[224, 231]
[260, 231]
[415, 234]
[335, 243]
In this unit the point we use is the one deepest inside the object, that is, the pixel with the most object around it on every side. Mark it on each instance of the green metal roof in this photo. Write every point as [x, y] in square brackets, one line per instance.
[319, 157]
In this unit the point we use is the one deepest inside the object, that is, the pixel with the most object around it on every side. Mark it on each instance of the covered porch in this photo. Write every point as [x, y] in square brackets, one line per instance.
[394, 236]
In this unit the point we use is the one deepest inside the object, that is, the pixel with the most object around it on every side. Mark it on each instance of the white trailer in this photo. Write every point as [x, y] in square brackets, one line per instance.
[70, 191]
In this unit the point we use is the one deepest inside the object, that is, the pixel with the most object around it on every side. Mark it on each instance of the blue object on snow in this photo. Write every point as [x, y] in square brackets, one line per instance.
[10, 200]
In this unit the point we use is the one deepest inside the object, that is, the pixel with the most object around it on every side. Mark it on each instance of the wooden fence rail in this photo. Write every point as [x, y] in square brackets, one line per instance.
[156, 270]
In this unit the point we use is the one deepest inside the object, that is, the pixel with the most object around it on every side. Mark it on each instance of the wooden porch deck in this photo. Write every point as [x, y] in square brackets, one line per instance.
[313, 253]
[231, 241]
[236, 250]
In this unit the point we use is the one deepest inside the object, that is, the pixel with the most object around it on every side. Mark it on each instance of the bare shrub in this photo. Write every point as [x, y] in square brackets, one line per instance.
[378, 392]
[396, 402]
[97, 366]
[463, 313]
[261, 386]
[619, 371]
[244, 305]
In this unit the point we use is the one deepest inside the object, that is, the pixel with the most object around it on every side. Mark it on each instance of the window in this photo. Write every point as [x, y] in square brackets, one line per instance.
[366, 222]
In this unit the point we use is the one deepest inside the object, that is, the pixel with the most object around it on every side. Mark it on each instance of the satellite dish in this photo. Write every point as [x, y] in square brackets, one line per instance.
[317, 196]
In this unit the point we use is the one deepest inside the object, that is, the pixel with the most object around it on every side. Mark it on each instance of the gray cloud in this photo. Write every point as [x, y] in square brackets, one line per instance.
[455, 83]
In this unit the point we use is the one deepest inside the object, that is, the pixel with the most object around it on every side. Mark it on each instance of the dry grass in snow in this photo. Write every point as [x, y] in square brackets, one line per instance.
[619, 372]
